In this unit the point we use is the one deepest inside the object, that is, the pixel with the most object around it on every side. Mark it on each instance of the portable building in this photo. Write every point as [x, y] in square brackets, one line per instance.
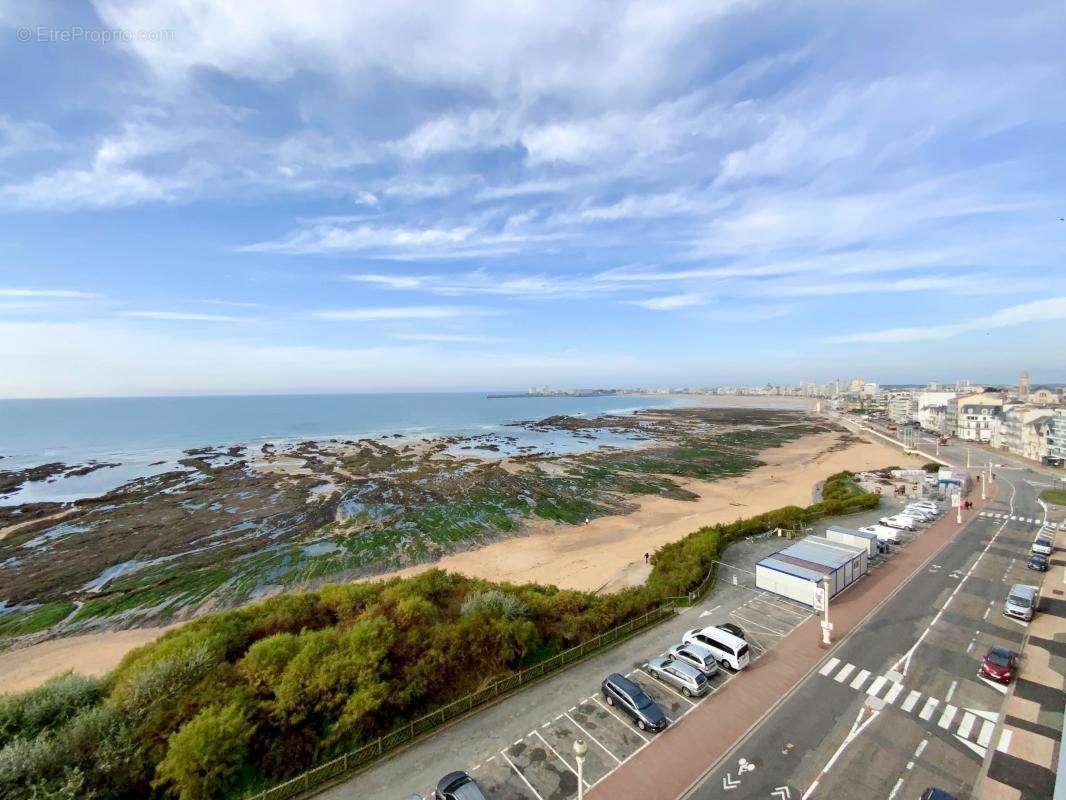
[798, 571]
[838, 533]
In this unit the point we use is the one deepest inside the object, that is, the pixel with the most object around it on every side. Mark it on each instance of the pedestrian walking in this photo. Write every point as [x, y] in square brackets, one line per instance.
[647, 558]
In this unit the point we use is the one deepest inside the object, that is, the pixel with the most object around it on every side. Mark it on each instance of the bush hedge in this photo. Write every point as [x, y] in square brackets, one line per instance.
[236, 700]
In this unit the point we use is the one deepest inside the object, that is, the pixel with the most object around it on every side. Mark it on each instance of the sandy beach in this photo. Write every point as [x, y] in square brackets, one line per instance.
[607, 554]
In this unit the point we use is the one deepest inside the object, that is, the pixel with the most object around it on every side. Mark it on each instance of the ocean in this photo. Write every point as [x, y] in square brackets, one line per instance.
[138, 432]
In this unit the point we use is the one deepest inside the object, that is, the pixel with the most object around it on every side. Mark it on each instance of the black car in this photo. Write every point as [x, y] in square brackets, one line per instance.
[736, 630]
[626, 696]
[937, 794]
[1038, 562]
[458, 786]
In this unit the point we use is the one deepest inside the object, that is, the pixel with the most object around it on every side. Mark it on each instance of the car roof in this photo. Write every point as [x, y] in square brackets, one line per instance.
[725, 637]
[695, 647]
[451, 781]
[686, 669]
[623, 683]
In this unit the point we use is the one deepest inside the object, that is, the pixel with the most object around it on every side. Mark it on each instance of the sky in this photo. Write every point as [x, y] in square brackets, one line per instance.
[347, 196]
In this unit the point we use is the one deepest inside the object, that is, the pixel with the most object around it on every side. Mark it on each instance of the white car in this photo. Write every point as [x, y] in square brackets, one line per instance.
[925, 505]
[902, 521]
[883, 533]
[923, 514]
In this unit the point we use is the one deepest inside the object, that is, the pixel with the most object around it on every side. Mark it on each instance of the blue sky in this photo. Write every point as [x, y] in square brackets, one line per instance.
[346, 196]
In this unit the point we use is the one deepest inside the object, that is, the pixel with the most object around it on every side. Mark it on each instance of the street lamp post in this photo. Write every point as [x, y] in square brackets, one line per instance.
[827, 626]
[580, 748]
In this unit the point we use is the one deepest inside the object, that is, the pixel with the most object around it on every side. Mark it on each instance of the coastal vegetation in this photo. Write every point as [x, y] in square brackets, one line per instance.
[234, 700]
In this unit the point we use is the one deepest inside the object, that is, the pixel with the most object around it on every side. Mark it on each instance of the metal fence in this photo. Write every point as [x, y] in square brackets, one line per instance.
[355, 759]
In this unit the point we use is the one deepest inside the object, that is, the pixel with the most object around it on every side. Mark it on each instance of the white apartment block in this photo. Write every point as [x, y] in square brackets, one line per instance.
[1023, 431]
[976, 416]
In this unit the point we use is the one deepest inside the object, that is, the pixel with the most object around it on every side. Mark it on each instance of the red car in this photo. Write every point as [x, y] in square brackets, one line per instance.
[999, 664]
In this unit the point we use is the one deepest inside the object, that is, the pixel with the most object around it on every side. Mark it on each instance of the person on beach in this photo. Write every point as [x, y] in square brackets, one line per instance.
[647, 558]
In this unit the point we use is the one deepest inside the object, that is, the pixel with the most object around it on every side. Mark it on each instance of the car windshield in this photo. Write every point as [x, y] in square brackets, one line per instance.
[642, 700]
[1001, 658]
[1019, 599]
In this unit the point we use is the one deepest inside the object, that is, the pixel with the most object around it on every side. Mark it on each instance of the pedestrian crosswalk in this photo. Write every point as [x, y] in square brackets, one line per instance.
[972, 727]
[1027, 520]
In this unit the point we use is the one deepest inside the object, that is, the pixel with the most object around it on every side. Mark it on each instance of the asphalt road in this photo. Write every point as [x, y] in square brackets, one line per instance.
[899, 706]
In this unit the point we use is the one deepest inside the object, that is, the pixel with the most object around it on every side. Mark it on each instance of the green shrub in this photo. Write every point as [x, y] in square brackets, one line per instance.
[932, 467]
[494, 603]
[48, 706]
[206, 753]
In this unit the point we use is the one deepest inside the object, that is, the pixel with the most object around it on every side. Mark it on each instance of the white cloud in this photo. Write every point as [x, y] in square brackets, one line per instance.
[53, 293]
[1051, 309]
[672, 302]
[181, 316]
[398, 313]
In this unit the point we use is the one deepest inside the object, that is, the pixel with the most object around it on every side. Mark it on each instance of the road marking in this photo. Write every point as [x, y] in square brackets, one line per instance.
[975, 747]
[877, 685]
[1004, 740]
[593, 738]
[860, 679]
[520, 775]
[556, 753]
[829, 666]
[947, 716]
[928, 709]
[844, 672]
[999, 687]
[920, 748]
[893, 693]
[895, 789]
[985, 736]
[951, 691]
[773, 631]
[631, 727]
[912, 698]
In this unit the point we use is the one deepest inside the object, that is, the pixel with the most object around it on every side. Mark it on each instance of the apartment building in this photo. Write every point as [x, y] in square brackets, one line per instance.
[975, 417]
[1023, 430]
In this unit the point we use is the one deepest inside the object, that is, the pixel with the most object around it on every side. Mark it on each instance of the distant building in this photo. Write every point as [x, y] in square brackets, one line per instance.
[900, 406]
[1024, 431]
[1023, 387]
[975, 417]
[930, 410]
[1057, 434]
[1043, 395]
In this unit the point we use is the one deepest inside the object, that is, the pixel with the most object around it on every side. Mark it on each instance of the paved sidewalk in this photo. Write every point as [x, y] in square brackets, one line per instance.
[678, 758]
[1022, 767]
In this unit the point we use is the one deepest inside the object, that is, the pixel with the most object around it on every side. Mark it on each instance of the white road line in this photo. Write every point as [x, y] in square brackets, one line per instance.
[877, 685]
[630, 727]
[593, 738]
[893, 693]
[999, 687]
[951, 691]
[912, 698]
[985, 736]
[752, 623]
[846, 670]
[556, 753]
[947, 716]
[520, 775]
[829, 666]
[1004, 740]
[928, 709]
[920, 748]
[860, 679]
[895, 789]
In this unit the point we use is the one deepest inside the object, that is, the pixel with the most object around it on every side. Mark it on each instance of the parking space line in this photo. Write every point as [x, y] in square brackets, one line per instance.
[779, 607]
[751, 623]
[518, 772]
[594, 739]
[829, 666]
[556, 754]
[620, 720]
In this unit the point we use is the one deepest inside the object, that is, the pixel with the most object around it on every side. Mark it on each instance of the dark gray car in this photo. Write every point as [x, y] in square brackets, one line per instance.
[626, 696]
[458, 786]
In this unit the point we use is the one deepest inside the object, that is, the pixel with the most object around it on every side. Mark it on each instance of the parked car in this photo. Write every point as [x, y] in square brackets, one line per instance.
[999, 664]
[458, 786]
[1043, 544]
[1037, 561]
[922, 512]
[627, 697]
[729, 627]
[900, 521]
[731, 651]
[690, 681]
[695, 655]
[884, 533]
[1021, 602]
[931, 505]
[933, 793]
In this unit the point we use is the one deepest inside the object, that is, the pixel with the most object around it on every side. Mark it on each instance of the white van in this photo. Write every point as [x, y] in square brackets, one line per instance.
[883, 533]
[901, 521]
[731, 651]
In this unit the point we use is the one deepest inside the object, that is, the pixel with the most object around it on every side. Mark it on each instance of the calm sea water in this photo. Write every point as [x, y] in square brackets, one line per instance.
[143, 429]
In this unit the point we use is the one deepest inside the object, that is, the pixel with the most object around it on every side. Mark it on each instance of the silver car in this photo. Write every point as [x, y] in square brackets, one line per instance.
[688, 680]
[695, 655]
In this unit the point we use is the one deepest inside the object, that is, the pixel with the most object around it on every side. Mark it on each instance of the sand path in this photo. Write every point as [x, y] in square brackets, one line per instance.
[607, 554]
